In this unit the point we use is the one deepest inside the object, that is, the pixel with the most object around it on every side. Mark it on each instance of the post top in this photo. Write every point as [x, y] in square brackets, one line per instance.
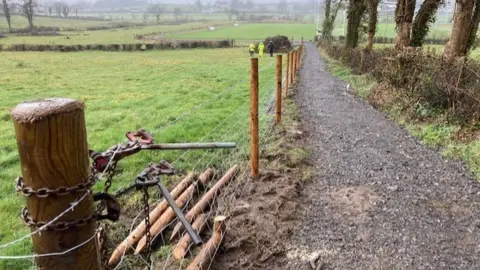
[36, 110]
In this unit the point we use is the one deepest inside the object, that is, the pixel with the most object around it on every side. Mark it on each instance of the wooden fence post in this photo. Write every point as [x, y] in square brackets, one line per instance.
[254, 149]
[298, 58]
[52, 143]
[287, 74]
[279, 88]
[294, 66]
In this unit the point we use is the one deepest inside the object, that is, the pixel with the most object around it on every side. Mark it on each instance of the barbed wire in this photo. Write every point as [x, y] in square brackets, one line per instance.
[30, 256]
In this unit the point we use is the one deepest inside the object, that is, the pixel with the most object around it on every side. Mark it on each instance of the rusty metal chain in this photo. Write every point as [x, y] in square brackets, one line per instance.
[57, 226]
[60, 191]
[113, 214]
[146, 209]
[110, 171]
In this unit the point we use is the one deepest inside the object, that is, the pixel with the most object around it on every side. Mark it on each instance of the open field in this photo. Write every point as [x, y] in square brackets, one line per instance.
[101, 36]
[125, 91]
[256, 31]
[21, 22]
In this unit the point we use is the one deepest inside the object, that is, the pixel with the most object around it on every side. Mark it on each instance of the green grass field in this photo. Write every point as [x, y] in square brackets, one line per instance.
[125, 91]
[101, 36]
[255, 31]
[21, 22]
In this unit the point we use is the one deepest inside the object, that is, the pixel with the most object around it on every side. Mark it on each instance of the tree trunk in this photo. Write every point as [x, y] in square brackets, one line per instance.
[30, 16]
[355, 13]
[403, 19]
[425, 17]
[6, 12]
[458, 39]
[372, 6]
[326, 21]
[474, 27]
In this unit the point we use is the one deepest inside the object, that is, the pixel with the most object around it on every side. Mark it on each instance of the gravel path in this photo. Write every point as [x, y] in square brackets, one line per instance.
[379, 199]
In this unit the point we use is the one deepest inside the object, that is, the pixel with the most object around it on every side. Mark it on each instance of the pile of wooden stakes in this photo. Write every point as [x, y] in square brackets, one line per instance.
[162, 215]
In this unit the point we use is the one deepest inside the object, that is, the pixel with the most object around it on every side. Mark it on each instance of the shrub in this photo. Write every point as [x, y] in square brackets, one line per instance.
[420, 75]
[280, 43]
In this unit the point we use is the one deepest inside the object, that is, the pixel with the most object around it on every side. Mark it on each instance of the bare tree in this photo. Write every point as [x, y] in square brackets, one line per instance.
[58, 8]
[330, 17]
[6, 13]
[282, 6]
[372, 6]
[157, 10]
[28, 10]
[65, 9]
[356, 10]
[177, 12]
[464, 29]
[403, 18]
[424, 18]
[76, 9]
[198, 5]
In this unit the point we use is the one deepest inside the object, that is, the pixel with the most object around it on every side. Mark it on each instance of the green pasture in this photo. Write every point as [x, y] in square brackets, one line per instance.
[254, 31]
[102, 36]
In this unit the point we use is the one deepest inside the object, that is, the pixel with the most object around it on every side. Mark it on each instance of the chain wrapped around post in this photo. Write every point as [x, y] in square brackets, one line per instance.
[108, 201]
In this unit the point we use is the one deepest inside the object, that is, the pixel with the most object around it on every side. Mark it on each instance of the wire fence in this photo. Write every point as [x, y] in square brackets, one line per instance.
[235, 127]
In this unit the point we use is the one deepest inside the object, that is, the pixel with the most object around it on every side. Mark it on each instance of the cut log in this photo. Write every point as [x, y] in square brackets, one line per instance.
[203, 203]
[204, 258]
[169, 214]
[184, 243]
[133, 238]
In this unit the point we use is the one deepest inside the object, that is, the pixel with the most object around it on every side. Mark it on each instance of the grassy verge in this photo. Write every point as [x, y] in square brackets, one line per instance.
[180, 96]
[430, 127]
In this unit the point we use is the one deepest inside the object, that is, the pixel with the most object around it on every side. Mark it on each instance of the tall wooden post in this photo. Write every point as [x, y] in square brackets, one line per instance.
[279, 88]
[294, 65]
[255, 152]
[299, 56]
[52, 143]
[287, 74]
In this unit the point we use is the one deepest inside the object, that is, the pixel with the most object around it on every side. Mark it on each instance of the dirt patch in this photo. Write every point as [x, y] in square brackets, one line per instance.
[268, 209]
[353, 202]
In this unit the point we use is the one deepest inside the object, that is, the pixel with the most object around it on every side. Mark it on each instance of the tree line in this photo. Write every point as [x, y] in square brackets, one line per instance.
[28, 8]
[362, 17]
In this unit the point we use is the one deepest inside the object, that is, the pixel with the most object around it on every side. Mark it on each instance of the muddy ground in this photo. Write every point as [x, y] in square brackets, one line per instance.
[267, 210]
